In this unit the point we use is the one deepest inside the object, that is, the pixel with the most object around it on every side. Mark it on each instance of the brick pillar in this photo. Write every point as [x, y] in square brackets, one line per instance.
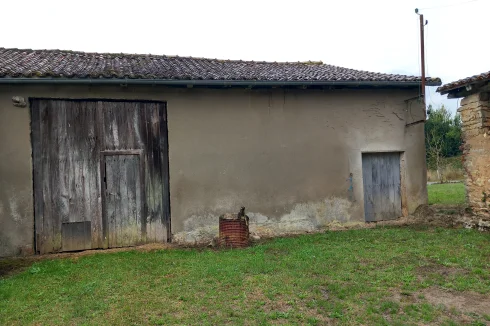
[475, 115]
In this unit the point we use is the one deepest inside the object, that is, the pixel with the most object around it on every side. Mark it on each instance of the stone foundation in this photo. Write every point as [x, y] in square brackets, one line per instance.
[475, 116]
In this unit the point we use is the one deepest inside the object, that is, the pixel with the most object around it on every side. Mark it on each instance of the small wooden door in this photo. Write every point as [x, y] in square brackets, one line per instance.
[123, 206]
[382, 186]
[76, 236]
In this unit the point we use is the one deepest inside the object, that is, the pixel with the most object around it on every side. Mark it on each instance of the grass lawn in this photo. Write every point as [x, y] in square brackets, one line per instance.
[389, 276]
[447, 194]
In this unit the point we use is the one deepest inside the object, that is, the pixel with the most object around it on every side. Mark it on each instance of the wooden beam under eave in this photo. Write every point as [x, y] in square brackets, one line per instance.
[458, 94]
[463, 91]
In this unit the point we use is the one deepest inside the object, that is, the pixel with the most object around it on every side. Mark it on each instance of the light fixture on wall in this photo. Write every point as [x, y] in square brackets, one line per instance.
[19, 101]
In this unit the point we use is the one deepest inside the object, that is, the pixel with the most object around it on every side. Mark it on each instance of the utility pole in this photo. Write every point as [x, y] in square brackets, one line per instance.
[422, 53]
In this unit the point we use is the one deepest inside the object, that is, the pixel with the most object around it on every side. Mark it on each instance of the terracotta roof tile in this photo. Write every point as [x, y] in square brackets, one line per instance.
[15, 63]
[463, 82]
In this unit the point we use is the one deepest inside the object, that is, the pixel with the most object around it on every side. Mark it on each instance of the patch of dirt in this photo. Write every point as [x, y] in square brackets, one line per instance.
[276, 305]
[451, 216]
[466, 302]
[446, 216]
[280, 305]
[10, 266]
[446, 271]
[463, 307]
[144, 248]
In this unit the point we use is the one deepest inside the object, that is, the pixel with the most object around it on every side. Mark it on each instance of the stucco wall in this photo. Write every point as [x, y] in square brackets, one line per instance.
[285, 155]
[16, 209]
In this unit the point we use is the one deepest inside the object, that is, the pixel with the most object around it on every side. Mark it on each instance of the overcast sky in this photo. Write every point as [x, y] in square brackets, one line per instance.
[375, 35]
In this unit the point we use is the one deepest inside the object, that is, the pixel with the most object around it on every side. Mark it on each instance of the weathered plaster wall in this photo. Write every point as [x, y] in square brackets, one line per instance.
[475, 115]
[16, 212]
[284, 154]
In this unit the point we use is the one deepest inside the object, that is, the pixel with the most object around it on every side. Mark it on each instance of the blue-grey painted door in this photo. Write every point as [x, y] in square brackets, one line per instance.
[382, 186]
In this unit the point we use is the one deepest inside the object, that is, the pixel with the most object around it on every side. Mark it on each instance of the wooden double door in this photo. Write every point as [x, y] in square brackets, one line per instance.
[100, 174]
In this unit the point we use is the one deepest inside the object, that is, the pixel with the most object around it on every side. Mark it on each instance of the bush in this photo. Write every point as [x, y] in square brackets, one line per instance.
[452, 170]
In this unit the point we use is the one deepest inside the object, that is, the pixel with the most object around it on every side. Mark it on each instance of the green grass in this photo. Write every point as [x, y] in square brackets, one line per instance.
[447, 194]
[370, 276]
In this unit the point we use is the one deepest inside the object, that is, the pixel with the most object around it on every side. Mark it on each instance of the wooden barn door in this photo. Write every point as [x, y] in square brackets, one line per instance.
[66, 178]
[128, 128]
[100, 173]
[382, 186]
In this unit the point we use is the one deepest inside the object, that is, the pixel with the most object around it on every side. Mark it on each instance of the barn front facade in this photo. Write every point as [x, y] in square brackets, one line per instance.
[113, 150]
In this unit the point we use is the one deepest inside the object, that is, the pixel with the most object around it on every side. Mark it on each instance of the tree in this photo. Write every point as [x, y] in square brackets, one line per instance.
[442, 137]
[453, 137]
[434, 147]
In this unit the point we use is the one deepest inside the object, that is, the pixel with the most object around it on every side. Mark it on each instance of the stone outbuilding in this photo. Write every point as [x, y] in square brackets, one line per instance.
[475, 116]
[111, 150]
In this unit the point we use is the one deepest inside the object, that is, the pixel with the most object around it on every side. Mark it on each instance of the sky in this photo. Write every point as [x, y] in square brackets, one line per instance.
[375, 35]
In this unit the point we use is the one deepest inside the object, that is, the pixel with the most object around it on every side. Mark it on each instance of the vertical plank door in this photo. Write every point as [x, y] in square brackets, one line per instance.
[75, 142]
[65, 164]
[142, 126]
[382, 186]
[123, 200]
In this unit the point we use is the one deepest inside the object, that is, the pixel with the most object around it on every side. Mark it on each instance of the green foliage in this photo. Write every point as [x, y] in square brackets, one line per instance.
[374, 276]
[454, 162]
[441, 127]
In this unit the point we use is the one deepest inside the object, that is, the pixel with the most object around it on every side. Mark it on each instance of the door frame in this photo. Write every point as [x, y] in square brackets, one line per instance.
[403, 171]
[103, 187]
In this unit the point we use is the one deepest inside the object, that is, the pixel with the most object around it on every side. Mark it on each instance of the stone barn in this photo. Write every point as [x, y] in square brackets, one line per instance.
[475, 116]
[110, 150]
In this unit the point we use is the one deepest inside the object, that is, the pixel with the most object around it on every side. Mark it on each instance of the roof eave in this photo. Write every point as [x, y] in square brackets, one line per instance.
[465, 89]
[106, 81]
